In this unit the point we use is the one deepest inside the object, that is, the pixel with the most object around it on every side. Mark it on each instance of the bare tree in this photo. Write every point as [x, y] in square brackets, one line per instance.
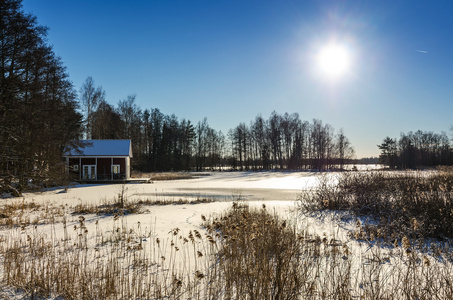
[106, 122]
[344, 149]
[258, 135]
[131, 116]
[239, 137]
[90, 97]
[201, 144]
[275, 138]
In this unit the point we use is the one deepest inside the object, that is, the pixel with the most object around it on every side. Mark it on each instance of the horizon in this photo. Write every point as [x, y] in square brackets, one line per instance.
[231, 61]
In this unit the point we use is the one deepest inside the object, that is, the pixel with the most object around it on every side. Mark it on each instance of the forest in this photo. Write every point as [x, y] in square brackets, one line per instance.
[415, 150]
[38, 107]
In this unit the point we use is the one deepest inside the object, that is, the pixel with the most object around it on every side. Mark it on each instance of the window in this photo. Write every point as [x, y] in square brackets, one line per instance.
[89, 172]
[75, 167]
[115, 169]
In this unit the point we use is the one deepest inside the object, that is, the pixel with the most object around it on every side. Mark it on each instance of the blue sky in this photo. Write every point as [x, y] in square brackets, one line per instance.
[232, 60]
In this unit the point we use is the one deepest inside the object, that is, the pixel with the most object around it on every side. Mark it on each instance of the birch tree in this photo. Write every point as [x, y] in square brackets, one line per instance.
[90, 97]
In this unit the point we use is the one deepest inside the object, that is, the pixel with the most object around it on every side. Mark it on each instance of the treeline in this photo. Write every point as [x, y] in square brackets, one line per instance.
[416, 150]
[38, 111]
[163, 142]
[287, 142]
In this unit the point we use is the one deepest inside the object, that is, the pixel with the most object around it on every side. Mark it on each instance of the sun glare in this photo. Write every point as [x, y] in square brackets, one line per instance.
[334, 61]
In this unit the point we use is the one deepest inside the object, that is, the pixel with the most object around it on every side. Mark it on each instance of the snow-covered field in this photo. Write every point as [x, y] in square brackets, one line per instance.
[278, 190]
[162, 231]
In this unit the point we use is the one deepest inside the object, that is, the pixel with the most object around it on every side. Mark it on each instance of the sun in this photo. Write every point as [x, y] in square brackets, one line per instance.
[334, 61]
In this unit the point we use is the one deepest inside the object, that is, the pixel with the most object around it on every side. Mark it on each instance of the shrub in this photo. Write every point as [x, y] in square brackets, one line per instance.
[413, 204]
[259, 254]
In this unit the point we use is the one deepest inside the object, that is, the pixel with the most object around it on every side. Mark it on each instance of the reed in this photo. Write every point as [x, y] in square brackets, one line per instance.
[241, 253]
[415, 204]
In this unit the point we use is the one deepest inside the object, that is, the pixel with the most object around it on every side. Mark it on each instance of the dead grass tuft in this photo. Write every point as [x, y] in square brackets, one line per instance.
[159, 176]
[418, 205]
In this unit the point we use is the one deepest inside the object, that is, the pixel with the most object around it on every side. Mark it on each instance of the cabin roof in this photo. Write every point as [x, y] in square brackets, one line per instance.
[100, 148]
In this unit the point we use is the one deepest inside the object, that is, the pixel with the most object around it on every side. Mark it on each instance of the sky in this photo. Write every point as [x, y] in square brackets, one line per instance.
[231, 60]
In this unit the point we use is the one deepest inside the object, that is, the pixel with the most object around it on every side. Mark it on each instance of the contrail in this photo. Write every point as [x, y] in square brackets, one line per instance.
[422, 51]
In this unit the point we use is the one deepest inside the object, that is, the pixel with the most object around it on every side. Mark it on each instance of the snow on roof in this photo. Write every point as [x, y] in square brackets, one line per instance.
[102, 148]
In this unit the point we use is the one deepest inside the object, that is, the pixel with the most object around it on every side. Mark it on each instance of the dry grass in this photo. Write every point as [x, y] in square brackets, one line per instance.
[259, 255]
[159, 176]
[243, 253]
[18, 212]
[115, 267]
[108, 208]
[134, 206]
[417, 205]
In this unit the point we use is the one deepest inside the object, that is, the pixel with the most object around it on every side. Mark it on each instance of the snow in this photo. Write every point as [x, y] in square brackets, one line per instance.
[279, 191]
[263, 186]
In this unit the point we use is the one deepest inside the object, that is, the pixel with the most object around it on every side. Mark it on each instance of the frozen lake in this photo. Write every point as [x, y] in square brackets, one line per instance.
[264, 186]
[222, 186]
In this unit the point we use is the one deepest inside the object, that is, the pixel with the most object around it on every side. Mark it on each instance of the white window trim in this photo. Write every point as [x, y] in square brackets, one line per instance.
[119, 169]
[89, 174]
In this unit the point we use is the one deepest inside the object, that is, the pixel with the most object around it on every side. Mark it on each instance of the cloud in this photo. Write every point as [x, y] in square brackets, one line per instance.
[422, 51]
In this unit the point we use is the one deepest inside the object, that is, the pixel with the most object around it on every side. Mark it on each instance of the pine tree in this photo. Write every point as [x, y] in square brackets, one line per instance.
[38, 111]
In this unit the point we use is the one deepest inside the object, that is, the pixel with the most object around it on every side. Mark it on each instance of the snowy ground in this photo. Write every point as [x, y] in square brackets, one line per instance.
[278, 190]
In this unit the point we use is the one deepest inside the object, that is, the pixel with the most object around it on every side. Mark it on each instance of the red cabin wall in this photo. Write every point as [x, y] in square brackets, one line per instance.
[88, 161]
[74, 173]
[122, 163]
[103, 166]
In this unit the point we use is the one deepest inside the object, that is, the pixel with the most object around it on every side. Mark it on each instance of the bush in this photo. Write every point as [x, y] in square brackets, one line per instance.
[413, 204]
[259, 255]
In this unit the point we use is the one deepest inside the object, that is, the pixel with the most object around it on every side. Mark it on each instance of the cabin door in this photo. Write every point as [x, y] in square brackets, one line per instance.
[89, 172]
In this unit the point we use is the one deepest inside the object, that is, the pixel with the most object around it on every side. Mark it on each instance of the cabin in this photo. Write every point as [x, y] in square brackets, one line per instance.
[99, 160]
